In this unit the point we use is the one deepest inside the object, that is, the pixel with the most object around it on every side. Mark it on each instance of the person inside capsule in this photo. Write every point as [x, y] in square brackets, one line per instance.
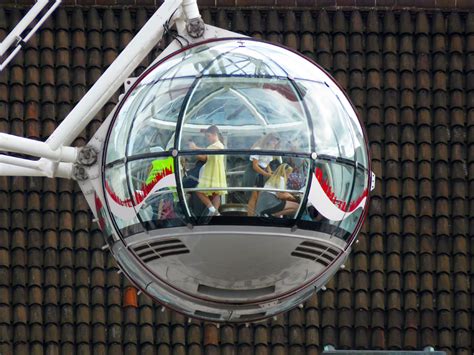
[259, 169]
[212, 174]
[275, 202]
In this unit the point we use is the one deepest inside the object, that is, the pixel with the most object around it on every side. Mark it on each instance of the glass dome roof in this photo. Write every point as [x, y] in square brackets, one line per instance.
[249, 92]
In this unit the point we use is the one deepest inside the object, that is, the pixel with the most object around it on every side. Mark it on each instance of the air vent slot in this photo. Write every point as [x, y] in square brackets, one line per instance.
[207, 314]
[252, 316]
[152, 251]
[235, 294]
[317, 252]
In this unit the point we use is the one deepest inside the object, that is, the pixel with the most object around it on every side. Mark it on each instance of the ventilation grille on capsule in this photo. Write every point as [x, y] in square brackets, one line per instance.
[252, 316]
[160, 249]
[207, 314]
[235, 293]
[314, 251]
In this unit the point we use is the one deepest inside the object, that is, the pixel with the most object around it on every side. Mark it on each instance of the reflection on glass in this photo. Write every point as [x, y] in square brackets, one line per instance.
[333, 131]
[153, 185]
[116, 185]
[248, 58]
[120, 203]
[194, 61]
[335, 199]
[353, 123]
[359, 192]
[294, 66]
[123, 123]
[242, 61]
[225, 58]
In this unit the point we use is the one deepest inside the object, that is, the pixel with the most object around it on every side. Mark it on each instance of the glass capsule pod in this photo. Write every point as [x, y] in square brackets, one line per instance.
[236, 176]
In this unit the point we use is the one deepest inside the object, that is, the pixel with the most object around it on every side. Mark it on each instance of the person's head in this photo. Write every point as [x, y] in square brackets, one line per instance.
[268, 141]
[282, 171]
[213, 134]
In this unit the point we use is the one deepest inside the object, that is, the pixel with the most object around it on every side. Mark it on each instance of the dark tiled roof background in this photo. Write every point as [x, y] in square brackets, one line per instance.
[407, 284]
[327, 4]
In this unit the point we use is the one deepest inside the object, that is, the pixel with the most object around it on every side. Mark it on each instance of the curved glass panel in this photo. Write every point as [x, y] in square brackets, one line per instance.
[120, 203]
[225, 145]
[119, 135]
[245, 110]
[333, 130]
[155, 118]
[337, 196]
[232, 58]
[292, 64]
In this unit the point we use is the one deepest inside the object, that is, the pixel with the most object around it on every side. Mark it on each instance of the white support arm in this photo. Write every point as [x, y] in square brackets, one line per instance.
[35, 148]
[190, 9]
[15, 35]
[25, 163]
[21, 26]
[13, 170]
[113, 77]
[63, 170]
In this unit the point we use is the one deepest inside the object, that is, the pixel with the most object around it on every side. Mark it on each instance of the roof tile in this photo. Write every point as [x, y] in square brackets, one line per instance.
[408, 72]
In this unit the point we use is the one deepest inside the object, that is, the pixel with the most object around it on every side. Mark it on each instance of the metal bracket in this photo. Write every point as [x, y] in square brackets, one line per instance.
[87, 156]
[372, 181]
[79, 172]
[195, 27]
[129, 83]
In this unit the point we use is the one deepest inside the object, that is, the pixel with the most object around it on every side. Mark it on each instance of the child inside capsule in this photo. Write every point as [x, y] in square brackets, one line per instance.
[274, 202]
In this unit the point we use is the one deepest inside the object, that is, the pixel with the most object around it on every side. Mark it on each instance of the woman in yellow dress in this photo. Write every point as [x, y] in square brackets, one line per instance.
[212, 174]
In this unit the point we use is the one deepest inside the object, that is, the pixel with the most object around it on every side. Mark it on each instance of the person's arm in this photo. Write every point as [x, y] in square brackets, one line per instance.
[259, 169]
[193, 146]
[201, 157]
[286, 196]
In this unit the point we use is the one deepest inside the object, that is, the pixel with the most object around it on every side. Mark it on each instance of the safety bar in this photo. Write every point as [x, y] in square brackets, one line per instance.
[171, 190]
[195, 189]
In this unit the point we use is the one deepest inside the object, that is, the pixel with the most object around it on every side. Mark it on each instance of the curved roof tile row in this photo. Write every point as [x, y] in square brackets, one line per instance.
[325, 4]
[407, 284]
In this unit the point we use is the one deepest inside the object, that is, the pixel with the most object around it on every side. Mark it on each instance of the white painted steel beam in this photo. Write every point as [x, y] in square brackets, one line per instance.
[25, 163]
[63, 170]
[11, 143]
[22, 25]
[93, 101]
[14, 37]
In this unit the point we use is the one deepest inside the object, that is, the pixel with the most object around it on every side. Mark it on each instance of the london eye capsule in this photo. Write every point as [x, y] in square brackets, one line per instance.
[236, 177]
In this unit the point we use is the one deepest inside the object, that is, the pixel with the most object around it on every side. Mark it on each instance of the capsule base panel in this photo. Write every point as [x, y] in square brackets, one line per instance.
[215, 270]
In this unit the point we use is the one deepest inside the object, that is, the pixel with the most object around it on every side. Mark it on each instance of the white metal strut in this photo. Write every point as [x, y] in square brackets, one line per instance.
[56, 154]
